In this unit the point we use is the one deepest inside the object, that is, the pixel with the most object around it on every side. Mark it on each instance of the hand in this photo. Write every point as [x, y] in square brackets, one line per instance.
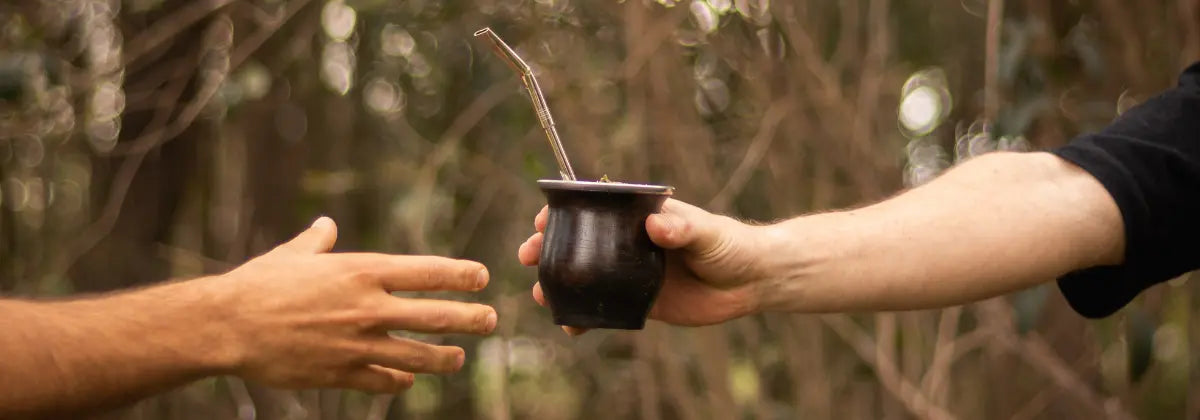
[711, 265]
[302, 317]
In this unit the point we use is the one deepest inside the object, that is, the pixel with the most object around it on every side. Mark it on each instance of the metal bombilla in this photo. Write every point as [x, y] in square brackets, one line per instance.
[535, 94]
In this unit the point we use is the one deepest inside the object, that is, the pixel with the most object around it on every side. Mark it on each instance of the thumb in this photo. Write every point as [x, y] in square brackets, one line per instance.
[685, 226]
[318, 238]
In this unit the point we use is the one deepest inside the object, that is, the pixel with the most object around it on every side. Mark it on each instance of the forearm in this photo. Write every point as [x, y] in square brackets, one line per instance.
[995, 224]
[96, 353]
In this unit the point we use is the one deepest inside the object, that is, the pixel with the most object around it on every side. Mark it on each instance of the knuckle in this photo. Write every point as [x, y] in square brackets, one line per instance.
[367, 318]
[359, 352]
[428, 273]
[440, 320]
[416, 359]
[363, 277]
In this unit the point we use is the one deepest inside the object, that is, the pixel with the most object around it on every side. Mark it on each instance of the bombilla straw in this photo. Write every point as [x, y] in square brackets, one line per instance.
[535, 94]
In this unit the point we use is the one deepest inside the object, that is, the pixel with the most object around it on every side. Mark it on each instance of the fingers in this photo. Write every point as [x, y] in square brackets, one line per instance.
[414, 356]
[679, 225]
[378, 379]
[416, 272]
[438, 316]
[682, 225]
[539, 221]
[667, 230]
[318, 238]
[435, 273]
[531, 251]
[538, 296]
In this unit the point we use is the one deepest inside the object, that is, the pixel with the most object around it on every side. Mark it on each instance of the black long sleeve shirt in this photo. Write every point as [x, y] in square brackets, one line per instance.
[1149, 161]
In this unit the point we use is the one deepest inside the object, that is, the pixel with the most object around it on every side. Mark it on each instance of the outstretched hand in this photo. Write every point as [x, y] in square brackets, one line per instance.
[304, 317]
[711, 268]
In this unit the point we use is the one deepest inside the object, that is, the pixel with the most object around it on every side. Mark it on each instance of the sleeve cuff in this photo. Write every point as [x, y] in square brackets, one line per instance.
[1101, 291]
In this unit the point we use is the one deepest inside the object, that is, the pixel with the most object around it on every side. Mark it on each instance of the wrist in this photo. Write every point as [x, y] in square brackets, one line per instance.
[214, 336]
[792, 252]
[775, 271]
[767, 246]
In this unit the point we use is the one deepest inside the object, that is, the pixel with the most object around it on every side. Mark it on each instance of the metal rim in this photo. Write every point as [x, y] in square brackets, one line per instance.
[612, 187]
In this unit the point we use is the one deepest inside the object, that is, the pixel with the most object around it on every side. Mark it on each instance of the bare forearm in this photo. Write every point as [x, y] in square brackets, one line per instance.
[97, 353]
[993, 225]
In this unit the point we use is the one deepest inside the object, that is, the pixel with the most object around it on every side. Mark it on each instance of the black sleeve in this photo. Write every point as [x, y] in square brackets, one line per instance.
[1149, 160]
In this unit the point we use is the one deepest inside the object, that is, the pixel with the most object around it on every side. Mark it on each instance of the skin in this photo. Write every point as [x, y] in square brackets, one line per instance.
[296, 317]
[990, 226]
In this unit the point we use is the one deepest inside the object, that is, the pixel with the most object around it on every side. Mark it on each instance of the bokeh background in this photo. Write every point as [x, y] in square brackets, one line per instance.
[142, 140]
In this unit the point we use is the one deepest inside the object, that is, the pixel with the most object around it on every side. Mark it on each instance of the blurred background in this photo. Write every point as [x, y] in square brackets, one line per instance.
[142, 140]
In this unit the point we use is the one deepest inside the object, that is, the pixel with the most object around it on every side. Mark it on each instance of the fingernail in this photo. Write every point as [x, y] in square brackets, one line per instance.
[491, 321]
[321, 222]
[406, 383]
[481, 279]
[462, 358]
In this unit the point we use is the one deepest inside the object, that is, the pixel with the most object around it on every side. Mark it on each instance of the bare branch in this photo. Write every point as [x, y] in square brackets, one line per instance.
[935, 380]
[160, 132]
[995, 22]
[170, 26]
[913, 399]
[1034, 351]
[754, 154]
[447, 147]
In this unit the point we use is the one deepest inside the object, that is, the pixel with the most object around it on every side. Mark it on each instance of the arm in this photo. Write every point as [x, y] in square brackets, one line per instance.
[994, 224]
[1108, 215]
[1042, 218]
[295, 317]
[100, 352]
